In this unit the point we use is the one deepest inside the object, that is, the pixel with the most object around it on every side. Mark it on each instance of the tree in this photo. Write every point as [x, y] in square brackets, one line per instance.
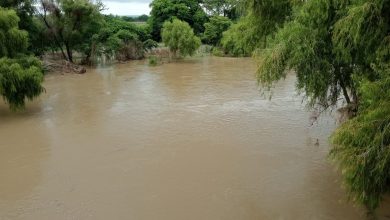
[305, 46]
[142, 18]
[260, 21]
[225, 8]
[242, 38]
[72, 24]
[20, 76]
[121, 39]
[186, 10]
[341, 50]
[267, 16]
[214, 29]
[361, 145]
[180, 38]
[26, 12]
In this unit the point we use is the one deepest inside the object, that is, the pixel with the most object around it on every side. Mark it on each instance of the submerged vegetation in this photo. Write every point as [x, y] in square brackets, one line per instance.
[180, 38]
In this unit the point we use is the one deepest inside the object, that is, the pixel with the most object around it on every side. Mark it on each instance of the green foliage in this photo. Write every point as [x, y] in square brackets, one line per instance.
[120, 39]
[153, 60]
[362, 35]
[115, 24]
[241, 39]
[216, 51]
[268, 15]
[72, 24]
[141, 18]
[305, 46]
[189, 11]
[20, 76]
[12, 40]
[342, 49]
[214, 29]
[180, 38]
[261, 21]
[362, 145]
[226, 8]
[20, 79]
[25, 10]
[150, 44]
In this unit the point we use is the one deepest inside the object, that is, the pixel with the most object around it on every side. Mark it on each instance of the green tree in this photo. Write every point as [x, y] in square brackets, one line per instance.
[150, 44]
[268, 15]
[305, 46]
[72, 24]
[180, 38]
[242, 38]
[142, 18]
[261, 20]
[26, 11]
[341, 50]
[214, 29]
[225, 8]
[20, 76]
[189, 11]
[121, 39]
[361, 145]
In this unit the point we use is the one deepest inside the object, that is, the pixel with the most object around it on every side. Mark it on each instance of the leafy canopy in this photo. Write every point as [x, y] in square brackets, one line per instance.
[26, 11]
[189, 11]
[71, 24]
[214, 29]
[305, 46]
[341, 50]
[180, 38]
[120, 39]
[262, 18]
[225, 8]
[20, 76]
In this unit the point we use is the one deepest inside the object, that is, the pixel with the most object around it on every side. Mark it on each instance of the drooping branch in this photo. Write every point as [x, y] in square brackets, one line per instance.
[52, 30]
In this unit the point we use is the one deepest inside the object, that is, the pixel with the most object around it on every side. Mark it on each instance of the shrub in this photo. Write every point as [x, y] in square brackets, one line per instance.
[180, 38]
[214, 29]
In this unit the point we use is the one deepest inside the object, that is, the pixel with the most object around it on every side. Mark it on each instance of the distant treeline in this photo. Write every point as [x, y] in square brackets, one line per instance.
[141, 18]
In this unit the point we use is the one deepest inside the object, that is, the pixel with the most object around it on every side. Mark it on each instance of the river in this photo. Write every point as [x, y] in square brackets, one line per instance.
[188, 140]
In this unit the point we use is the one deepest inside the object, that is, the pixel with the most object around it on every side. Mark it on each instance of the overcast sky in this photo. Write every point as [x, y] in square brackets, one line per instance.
[127, 7]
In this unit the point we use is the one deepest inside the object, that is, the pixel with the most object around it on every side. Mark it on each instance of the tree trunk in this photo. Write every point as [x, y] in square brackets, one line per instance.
[345, 92]
[54, 34]
[69, 52]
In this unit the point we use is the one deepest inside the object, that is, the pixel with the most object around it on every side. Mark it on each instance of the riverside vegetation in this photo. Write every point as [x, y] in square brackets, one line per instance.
[339, 50]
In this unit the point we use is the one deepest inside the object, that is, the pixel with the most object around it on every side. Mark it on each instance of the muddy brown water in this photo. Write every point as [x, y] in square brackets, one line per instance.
[188, 140]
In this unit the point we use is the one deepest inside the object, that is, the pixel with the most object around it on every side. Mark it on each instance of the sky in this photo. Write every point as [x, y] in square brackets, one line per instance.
[127, 7]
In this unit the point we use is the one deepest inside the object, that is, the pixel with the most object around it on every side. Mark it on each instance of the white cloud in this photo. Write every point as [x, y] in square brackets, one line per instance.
[123, 7]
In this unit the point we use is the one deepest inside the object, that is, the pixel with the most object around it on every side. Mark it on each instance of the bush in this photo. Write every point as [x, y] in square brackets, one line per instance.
[217, 52]
[241, 39]
[361, 145]
[121, 40]
[150, 44]
[20, 79]
[153, 60]
[180, 38]
[214, 29]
